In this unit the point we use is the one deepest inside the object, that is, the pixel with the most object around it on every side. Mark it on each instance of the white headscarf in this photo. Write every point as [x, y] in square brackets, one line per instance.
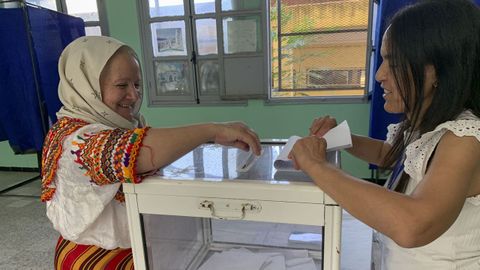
[79, 67]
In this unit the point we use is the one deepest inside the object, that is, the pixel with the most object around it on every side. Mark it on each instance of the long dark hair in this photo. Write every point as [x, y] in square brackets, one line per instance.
[446, 35]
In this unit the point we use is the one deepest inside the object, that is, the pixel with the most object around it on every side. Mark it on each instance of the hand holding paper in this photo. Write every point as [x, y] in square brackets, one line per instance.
[337, 138]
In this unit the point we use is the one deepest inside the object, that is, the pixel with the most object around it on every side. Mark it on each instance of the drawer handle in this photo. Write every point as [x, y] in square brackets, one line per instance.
[252, 207]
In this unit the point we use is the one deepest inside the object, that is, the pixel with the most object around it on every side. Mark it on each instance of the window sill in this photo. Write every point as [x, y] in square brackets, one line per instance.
[317, 100]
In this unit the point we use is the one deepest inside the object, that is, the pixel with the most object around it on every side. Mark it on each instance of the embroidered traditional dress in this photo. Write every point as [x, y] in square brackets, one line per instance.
[459, 247]
[87, 154]
[85, 173]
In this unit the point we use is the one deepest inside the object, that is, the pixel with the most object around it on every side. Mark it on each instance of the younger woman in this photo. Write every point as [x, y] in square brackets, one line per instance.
[428, 216]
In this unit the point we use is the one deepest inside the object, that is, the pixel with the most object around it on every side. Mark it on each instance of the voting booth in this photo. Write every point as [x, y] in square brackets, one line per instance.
[220, 208]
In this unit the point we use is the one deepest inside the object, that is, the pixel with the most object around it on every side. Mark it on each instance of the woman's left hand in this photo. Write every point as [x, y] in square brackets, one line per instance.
[308, 152]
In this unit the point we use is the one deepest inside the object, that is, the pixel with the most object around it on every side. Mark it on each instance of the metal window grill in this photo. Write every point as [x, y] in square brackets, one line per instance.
[319, 45]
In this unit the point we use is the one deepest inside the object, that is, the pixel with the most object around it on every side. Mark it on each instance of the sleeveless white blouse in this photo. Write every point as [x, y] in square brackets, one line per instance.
[459, 247]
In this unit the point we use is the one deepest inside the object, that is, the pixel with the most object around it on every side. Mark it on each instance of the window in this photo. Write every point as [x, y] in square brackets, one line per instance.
[88, 10]
[319, 48]
[216, 51]
[91, 11]
[50, 4]
[335, 79]
[204, 51]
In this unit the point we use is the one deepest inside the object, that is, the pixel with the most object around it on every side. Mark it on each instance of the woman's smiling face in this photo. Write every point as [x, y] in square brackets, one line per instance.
[391, 94]
[394, 96]
[120, 83]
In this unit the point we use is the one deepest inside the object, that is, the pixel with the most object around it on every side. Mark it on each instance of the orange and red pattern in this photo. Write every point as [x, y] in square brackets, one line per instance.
[109, 156]
[52, 150]
[70, 256]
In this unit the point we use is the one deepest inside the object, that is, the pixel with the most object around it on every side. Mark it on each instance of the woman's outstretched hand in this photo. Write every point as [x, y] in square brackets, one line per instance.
[238, 135]
[322, 125]
[308, 152]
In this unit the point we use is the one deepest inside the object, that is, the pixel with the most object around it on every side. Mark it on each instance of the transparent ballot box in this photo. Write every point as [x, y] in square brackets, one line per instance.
[220, 208]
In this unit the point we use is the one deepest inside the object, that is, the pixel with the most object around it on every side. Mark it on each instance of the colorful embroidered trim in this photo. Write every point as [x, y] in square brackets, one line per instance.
[109, 156]
[52, 150]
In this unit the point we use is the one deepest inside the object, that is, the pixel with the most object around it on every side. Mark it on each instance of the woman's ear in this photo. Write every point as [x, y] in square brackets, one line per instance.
[431, 81]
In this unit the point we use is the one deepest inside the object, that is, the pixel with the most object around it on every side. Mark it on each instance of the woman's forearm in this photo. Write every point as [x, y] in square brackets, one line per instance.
[368, 149]
[388, 212]
[161, 146]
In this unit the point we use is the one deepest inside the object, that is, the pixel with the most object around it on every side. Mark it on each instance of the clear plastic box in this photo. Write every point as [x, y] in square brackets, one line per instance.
[206, 212]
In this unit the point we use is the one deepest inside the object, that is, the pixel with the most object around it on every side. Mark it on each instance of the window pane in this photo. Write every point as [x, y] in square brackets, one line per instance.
[93, 31]
[242, 34]
[50, 4]
[160, 8]
[338, 51]
[335, 78]
[204, 6]
[169, 38]
[85, 9]
[274, 43]
[206, 36]
[229, 5]
[172, 78]
[209, 77]
[322, 49]
[315, 15]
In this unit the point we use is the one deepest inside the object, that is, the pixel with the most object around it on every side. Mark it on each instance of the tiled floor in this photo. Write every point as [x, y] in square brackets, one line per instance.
[27, 238]
[10, 179]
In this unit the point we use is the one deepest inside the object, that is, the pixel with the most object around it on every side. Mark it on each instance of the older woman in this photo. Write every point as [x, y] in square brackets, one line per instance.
[101, 141]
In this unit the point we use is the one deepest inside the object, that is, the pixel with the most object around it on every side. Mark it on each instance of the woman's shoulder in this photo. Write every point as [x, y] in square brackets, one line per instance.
[419, 151]
[69, 124]
[392, 131]
[466, 124]
[468, 115]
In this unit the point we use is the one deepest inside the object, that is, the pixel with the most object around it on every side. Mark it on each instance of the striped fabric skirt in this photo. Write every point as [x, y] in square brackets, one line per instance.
[71, 256]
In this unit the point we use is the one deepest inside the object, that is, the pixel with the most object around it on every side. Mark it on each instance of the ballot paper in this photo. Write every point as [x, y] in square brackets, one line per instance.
[305, 238]
[301, 264]
[244, 259]
[235, 259]
[337, 138]
[246, 162]
[275, 263]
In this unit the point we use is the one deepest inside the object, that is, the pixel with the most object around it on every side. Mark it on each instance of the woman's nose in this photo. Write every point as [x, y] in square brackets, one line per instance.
[133, 92]
[381, 74]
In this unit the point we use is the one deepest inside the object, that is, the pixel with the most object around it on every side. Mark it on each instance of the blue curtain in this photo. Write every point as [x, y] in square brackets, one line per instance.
[51, 33]
[28, 72]
[19, 106]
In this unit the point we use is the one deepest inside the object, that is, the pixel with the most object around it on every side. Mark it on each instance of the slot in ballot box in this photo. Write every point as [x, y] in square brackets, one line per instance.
[206, 211]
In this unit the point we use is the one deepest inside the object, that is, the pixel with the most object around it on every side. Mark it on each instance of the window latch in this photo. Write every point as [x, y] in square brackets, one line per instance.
[194, 58]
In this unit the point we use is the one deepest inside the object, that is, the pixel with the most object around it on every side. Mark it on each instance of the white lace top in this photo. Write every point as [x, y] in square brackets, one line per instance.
[457, 248]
